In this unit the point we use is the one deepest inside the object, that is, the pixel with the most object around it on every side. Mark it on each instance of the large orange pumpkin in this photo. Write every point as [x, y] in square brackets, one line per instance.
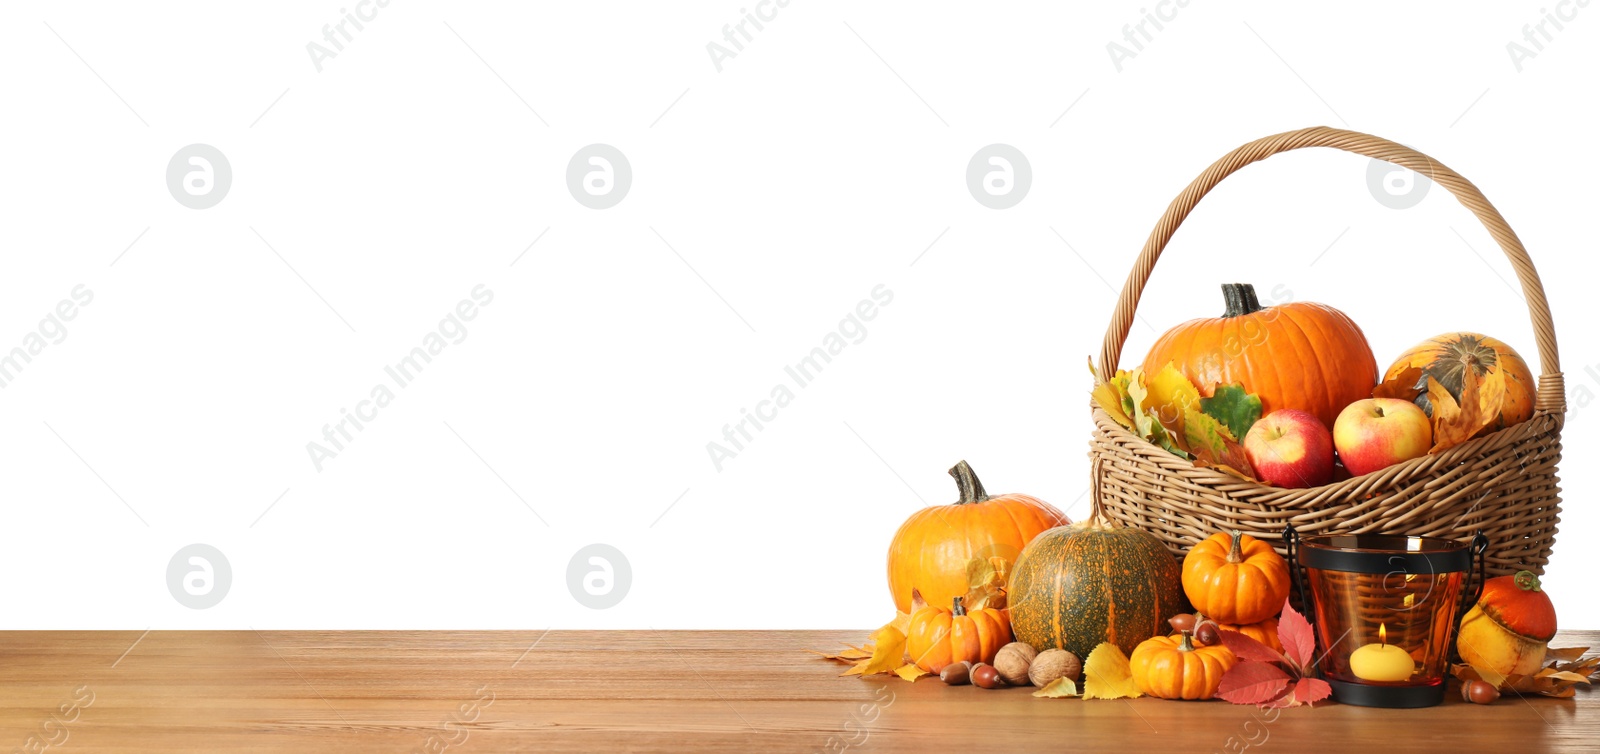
[1296, 355]
[932, 549]
[1447, 357]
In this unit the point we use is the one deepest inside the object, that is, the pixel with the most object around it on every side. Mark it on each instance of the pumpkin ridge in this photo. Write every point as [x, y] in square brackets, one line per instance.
[1267, 374]
[1330, 402]
[1333, 401]
[1356, 340]
[1009, 504]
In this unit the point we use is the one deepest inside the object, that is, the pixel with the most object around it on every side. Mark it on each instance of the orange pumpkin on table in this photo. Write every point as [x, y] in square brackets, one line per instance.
[1174, 667]
[1235, 579]
[939, 636]
[1296, 355]
[932, 549]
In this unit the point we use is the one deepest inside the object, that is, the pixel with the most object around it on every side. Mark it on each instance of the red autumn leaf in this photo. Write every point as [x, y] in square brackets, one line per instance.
[1310, 690]
[1254, 683]
[1306, 691]
[1299, 643]
[1248, 649]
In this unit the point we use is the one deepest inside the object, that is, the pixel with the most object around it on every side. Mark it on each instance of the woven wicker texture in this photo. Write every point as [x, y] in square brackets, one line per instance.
[1503, 484]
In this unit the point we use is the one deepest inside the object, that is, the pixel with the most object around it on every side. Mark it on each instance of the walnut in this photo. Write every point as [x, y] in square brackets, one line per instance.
[1052, 664]
[1013, 661]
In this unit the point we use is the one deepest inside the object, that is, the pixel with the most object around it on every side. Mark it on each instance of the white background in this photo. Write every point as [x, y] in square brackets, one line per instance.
[795, 180]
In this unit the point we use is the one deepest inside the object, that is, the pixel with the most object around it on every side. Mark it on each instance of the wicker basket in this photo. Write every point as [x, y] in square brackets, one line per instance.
[1503, 484]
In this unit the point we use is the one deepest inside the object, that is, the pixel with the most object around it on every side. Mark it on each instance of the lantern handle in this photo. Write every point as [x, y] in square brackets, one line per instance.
[1291, 544]
[1475, 581]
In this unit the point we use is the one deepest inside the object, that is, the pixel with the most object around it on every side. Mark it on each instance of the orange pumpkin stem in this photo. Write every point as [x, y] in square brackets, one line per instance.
[967, 482]
[956, 608]
[1527, 581]
[1240, 299]
[1236, 552]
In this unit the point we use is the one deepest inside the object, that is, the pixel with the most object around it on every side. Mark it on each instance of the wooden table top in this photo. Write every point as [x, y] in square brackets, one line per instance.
[645, 691]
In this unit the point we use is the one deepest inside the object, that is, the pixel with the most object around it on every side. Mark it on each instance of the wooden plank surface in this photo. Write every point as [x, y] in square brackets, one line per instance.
[645, 691]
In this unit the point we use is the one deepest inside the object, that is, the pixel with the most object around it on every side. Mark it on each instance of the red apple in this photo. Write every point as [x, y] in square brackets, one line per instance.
[1290, 448]
[1377, 432]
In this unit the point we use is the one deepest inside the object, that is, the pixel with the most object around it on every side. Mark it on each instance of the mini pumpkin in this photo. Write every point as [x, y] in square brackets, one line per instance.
[1173, 667]
[938, 636]
[1235, 579]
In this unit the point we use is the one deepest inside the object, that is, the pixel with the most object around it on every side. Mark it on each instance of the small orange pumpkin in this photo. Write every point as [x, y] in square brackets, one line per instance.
[933, 548]
[1235, 579]
[1296, 355]
[937, 637]
[1172, 667]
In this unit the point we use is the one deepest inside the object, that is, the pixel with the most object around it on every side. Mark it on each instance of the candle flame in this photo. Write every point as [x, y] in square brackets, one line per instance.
[1383, 633]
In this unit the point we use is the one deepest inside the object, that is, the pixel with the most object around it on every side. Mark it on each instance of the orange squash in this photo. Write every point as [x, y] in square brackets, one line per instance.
[1173, 667]
[937, 636]
[1510, 628]
[1235, 579]
[1447, 357]
[1296, 355]
[932, 549]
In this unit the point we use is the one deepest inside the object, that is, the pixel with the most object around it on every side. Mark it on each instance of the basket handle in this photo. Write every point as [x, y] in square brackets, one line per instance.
[1551, 395]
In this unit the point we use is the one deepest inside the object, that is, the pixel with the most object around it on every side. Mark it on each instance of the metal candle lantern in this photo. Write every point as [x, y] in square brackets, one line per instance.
[1385, 608]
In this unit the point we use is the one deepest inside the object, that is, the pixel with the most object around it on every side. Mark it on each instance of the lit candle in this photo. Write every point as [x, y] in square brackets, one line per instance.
[1381, 662]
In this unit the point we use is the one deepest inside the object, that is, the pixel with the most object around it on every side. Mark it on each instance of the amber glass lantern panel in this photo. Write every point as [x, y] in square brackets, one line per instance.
[1414, 612]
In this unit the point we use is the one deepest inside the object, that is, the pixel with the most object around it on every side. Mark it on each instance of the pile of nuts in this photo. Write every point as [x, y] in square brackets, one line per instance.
[1016, 664]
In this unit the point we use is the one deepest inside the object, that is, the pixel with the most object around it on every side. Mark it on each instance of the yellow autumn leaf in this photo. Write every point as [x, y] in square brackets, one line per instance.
[1170, 394]
[1107, 675]
[910, 672]
[901, 623]
[1111, 398]
[1059, 688]
[888, 653]
[986, 583]
[1139, 394]
[850, 654]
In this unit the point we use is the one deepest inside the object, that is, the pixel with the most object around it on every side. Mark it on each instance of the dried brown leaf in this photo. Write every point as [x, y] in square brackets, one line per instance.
[1404, 386]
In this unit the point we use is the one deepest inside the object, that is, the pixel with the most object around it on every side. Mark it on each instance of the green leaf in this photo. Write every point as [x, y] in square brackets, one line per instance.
[1236, 409]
